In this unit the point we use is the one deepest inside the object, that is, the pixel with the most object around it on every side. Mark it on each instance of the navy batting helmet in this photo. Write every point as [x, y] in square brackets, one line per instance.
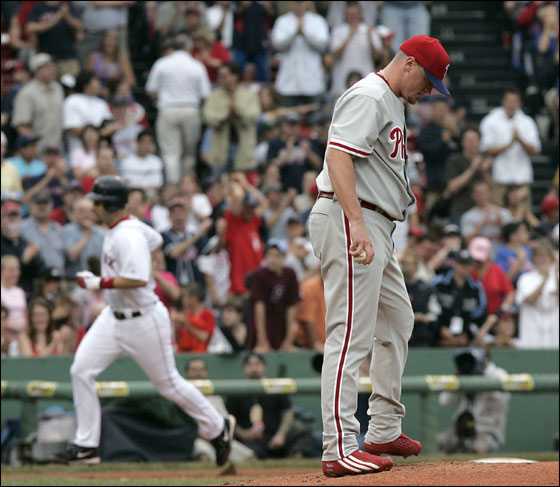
[111, 191]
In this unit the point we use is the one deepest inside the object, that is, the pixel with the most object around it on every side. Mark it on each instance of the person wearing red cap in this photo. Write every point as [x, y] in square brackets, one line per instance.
[549, 214]
[363, 189]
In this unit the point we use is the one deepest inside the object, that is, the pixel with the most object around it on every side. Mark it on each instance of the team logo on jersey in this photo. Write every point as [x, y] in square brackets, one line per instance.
[397, 136]
[107, 259]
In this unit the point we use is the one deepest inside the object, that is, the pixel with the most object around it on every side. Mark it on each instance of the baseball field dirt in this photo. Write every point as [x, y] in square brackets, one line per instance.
[451, 471]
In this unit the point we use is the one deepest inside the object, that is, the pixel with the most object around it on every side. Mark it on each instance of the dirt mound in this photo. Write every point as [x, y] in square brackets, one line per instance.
[436, 473]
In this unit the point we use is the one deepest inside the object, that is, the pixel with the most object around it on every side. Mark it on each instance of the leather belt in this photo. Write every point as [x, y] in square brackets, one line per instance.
[363, 204]
[119, 315]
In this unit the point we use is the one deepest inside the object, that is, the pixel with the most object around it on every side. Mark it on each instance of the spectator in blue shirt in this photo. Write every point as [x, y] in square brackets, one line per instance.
[515, 255]
[26, 161]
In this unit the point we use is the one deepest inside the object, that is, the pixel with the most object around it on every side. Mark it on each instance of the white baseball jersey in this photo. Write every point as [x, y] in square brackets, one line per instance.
[369, 124]
[126, 253]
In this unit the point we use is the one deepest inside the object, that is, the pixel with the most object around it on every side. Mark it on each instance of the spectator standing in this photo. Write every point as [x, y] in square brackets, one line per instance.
[242, 236]
[301, 37]
[484, 218]
[461, 170]
[514, 256]
[512, 138]
[145, 169]
[200, 206]
[13, 297]
[436, 141]
[167, 288]
[424, 333]
[180, 84]
[294, 155]
[181, 247]
[458, 303]
[537, 298]
[354, 46]
[82, 238]
[265, 422]
[170, 18]
[38, 104]
[250, 36]
[57, 26]
[14, 244]
[406, 19]
[209, 51]
[337, 10]
[128, 121]
[44, 233]
[500, 293]
[231, 111]
[219, 18]
[85, 108]
[215, 267]
[97, 17]
[310, 313]
[109, 61]
[195, 324]
[279, 210]
[274, 295]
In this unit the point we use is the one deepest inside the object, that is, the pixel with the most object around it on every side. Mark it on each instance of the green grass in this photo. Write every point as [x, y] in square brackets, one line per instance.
[45, 474]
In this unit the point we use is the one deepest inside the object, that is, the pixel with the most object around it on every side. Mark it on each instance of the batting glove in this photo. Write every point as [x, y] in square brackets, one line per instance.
[88, 280]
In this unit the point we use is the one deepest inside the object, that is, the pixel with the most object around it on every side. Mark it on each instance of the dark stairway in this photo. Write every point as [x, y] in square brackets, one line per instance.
[481, 69]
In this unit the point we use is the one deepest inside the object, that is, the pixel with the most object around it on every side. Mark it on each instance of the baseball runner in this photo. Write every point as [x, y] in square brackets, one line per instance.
[134, 322]
[363, 189]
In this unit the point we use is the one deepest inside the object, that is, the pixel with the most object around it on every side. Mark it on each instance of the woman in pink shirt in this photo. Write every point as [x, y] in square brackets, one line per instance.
[13, 297]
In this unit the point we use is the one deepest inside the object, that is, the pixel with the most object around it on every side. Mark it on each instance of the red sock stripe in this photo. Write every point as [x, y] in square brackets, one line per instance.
[350, 280]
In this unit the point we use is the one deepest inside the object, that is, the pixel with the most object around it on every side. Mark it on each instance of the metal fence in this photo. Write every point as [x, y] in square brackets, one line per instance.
[427, 386]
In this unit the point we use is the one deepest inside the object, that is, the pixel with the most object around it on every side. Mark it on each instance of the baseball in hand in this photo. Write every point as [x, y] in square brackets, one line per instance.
[361, 258]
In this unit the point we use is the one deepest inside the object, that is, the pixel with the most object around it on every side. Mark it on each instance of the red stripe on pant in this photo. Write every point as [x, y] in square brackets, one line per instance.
[349, 317]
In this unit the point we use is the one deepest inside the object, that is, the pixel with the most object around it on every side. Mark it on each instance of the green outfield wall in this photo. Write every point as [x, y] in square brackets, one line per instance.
[532, 420]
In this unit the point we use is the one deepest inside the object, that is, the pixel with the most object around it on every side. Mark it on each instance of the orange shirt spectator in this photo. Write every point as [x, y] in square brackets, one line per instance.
[195, 325]
[310, 313]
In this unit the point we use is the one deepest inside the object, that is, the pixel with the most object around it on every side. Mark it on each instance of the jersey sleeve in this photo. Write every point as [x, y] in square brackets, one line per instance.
[153, 237]
[134, 255]
[355, 125]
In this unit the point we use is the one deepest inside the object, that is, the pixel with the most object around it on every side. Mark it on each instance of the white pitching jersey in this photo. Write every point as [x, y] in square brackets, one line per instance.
[127, 253]
[369, 124]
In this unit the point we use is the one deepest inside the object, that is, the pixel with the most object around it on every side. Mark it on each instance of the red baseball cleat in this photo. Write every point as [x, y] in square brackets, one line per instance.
[403, 446]
[357, 463]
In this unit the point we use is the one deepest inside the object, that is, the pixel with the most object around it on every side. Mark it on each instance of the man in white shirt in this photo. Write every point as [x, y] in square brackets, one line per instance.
[85, 108]
[354, 45]
[180, 84]
[301, 37]
[512, 137]
[145, 169]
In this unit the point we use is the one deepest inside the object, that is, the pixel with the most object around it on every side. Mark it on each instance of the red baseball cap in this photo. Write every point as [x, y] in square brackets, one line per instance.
[549, 204]
[11, 206]
[430, 54]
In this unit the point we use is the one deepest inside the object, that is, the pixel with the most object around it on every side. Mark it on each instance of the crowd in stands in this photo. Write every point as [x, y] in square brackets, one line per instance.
[244, 92]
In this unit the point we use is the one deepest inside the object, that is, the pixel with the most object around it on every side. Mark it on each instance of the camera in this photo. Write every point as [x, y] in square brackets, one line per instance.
[470, 361]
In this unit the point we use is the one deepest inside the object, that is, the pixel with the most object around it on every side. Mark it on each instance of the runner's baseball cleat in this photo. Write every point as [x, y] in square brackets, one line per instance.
[357, 463]
[79, 455]
[403, 446]
[222, 443]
